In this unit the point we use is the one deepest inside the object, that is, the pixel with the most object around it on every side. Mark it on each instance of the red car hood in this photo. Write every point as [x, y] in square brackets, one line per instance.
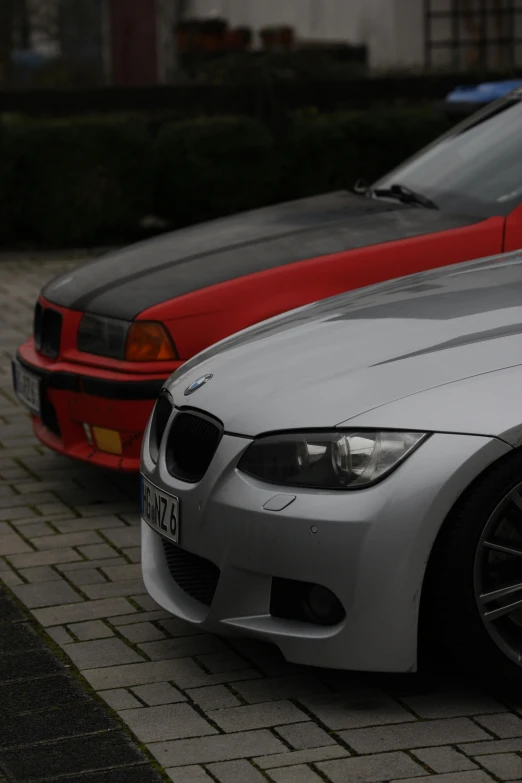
[128, 281]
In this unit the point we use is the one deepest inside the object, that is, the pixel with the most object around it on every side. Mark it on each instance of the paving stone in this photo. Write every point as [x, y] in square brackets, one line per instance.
[114, 589]
[298, 774]
[222, 662]
[12, 544]
[382, 766]
[445, 759]
[16, 513]
[92, 629]
[142, 632]
[103, 652]
[123, 573]
[148, 604]
[167, 722]
[221, 747]
[183, 647]
[52, 508]
[192, 774]
[133, 553]
[492, 746]
[87, 523]
[504, 725]
[142, 617]
[293, 758]
[132, 518]
[120, 699]
[257, 716]
[88, 610]
[236, 772]
[183, 672]
[474, 776]
[85, 565]
[413, 735]
[59, 635]
[47, 594]
[10, 579]
[97, 551]
[213, 697]
[506, 766]
[33, 529]
[106, 509]
[68, 539]
[159, 693]
[294, 687]
[48, 557]
[452, 705]
[305, 735]
[357, 710]
[124, 537]
[85, 576]
[40, 574]
[175, 627]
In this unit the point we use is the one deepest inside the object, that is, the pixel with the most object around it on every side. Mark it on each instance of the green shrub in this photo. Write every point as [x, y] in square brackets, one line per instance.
[82, 182]
[213, 167]
[77, 182]
[332, 151]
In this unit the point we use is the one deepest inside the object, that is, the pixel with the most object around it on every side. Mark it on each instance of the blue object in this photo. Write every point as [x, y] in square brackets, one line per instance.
[27, 58]
[482, 93]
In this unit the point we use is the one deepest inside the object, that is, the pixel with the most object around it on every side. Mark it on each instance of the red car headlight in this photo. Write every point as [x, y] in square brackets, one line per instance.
[136, 341]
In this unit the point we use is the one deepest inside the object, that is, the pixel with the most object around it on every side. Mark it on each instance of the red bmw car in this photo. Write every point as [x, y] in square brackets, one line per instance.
[107, 335]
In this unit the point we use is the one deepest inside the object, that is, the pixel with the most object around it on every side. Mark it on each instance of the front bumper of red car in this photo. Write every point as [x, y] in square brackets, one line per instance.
[85, 412]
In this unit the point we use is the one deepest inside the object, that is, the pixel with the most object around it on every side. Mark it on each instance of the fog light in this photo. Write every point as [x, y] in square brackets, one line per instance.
[107, 440]
[322, 607]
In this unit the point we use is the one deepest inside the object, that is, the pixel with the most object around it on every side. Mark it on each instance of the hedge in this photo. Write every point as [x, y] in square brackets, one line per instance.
[209, 168]
[75, 183]
[91, 181]
[332, 151]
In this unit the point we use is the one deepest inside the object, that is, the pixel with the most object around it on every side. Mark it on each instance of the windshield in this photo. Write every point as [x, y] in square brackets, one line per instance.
[474, 169]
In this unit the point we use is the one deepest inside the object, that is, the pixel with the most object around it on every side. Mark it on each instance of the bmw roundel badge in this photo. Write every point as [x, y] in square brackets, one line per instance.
[197, 384]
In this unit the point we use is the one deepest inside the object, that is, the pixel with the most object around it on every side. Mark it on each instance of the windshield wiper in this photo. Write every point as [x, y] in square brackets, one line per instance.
[403, 194]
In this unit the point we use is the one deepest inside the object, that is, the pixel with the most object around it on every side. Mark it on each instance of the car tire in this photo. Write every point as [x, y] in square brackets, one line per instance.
[460, 573]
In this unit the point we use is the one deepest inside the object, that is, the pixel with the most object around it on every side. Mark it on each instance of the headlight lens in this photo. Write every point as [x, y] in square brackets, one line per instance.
[102, 336]
[136, 341]
[328, 460]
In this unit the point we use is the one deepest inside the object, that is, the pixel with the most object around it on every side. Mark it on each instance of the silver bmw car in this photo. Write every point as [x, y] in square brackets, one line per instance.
[339, 478]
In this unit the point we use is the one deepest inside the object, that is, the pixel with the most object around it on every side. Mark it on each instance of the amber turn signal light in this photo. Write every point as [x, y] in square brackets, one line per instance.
[148, 341]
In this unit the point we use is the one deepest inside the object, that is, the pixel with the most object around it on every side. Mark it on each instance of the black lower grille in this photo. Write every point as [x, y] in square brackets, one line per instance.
[191, 444]
[193, 574]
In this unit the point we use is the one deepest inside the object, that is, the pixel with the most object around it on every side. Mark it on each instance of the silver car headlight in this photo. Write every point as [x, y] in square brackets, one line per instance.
[328, 460]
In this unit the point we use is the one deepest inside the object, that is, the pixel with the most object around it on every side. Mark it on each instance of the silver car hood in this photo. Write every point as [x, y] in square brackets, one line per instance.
[331, 362]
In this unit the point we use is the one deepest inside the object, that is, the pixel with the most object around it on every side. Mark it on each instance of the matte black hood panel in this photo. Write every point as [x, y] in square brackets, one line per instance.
[128, 281]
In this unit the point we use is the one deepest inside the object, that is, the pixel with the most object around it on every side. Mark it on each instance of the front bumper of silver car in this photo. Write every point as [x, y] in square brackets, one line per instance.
[235, 557]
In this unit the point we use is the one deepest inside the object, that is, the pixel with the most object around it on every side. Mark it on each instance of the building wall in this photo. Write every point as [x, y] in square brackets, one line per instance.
[392, 29]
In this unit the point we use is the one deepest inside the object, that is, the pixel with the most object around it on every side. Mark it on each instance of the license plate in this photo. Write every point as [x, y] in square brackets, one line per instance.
[27, 387]
[160, 510]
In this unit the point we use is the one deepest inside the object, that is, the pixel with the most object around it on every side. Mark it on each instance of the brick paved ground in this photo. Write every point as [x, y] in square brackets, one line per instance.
[209, 709]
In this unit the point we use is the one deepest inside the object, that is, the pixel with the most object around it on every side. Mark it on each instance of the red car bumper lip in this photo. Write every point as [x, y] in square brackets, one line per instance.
[76, 402]
[99, 387]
